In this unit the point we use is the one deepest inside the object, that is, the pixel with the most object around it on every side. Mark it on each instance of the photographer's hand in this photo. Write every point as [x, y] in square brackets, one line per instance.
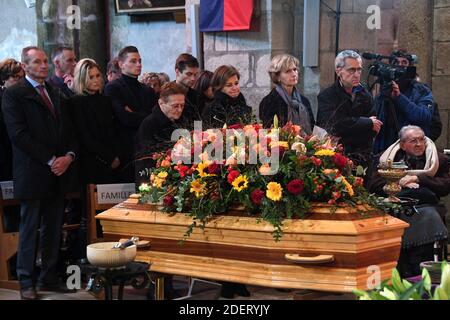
[395, 90]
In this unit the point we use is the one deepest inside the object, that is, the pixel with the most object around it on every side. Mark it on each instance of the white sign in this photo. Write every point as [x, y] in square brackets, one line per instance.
[114, 193]
[7, 190]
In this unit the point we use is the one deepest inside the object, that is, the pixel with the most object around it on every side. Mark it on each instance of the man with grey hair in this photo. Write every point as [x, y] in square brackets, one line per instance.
[346, 110]
[64, 61]
[427, 180]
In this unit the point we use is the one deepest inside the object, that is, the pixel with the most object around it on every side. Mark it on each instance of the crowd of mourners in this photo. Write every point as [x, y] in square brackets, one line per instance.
[60, 133]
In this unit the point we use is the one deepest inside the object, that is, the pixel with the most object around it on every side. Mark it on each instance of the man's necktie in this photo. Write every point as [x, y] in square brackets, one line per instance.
[47, 101]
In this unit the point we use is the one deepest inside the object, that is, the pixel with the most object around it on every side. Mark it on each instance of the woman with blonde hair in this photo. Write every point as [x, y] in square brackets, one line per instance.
[285, 101]
[229, 106]
[93, 118]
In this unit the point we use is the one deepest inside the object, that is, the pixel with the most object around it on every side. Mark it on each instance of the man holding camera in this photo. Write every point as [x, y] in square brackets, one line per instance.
[408, 103]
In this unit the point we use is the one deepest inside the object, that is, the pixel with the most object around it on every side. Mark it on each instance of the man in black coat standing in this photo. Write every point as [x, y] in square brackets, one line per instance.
[43, 151]
[346, 110]
[64, 61]
[132, 102]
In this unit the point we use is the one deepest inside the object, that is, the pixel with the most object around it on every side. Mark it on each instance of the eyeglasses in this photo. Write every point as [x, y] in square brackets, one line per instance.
[177, 106]
[354, 70]
[416, 141]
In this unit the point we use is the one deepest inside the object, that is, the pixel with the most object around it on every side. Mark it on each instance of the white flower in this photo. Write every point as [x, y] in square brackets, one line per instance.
[300, 148]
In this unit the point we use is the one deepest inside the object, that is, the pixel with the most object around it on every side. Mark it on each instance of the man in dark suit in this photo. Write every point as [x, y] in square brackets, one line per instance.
[64, 61]
[43, 151]
[132, 102]
[186, 71]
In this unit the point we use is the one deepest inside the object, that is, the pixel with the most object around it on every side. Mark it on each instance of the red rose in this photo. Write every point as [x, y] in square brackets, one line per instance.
[359, 182]
[316, 161]
[340, 160]
[257, 197]
[233, 175]
[168, 201]
[213, 168]
[296, 187]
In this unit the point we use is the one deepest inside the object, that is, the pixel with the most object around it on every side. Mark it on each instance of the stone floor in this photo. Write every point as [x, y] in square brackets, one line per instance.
[181, 285]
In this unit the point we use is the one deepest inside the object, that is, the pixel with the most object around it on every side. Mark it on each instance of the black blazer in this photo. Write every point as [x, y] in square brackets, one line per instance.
[273, 104]
[36, 136]
[226, 110]
[346, 118]
[141, 101]
[93, 119]
[5, 148]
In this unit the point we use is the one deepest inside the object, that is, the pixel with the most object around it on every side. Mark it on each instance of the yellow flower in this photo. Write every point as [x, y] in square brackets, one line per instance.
[274, 191]
[163, 175]
[325, 153]
[158, 182]
[198, 188]
[283, 144]
[240, 183]
[201, 170]
[348, 186]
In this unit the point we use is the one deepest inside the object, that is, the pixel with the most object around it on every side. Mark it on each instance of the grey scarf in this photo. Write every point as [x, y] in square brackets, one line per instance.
[297, 112]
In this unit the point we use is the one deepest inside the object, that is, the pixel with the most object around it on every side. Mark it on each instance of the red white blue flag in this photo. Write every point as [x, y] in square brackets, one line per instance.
[225, 15]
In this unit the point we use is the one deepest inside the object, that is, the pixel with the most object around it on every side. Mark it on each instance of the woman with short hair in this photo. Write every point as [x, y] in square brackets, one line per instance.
[285, 100]
[229, 106]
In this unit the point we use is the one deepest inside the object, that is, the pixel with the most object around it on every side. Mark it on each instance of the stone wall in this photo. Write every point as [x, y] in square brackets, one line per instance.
[159, 41]
[18, 28]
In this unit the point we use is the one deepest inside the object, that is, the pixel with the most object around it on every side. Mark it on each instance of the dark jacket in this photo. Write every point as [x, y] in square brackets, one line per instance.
[415, 106]
[192, 109]
[36, 136]
[347, 119]
[154, 135]
[5, 148]
[226, 110]
[439, 185]
[273, 104]
[58, 83]
[129, 92]
[93, 119]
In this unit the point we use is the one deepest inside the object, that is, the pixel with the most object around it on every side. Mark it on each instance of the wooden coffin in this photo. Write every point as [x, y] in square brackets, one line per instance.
[335, 252]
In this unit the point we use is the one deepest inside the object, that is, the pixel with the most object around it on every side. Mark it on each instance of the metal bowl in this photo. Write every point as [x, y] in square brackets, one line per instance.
[103, 255]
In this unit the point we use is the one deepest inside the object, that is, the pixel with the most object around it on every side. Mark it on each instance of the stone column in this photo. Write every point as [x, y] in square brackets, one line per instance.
[53, 30]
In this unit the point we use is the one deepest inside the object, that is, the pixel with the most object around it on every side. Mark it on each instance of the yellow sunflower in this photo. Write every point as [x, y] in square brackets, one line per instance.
[201, 170]
[274, 191]
[198, 188]
[240, 183]
[325, 153]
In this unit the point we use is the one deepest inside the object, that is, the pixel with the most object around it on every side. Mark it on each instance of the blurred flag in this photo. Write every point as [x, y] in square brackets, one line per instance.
[225, 15]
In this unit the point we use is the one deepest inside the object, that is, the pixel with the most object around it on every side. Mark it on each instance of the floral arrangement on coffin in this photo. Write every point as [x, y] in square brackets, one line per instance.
[309, 170]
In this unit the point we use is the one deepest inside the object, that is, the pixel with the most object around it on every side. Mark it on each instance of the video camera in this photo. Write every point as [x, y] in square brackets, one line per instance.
[387, 73]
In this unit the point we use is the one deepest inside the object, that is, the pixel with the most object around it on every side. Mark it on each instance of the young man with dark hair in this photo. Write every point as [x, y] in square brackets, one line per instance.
[186, 71]
[64, 61]
[132, 102]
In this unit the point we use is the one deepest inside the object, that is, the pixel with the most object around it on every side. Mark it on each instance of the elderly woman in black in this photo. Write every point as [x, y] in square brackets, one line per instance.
[229, 106]
[285, 101]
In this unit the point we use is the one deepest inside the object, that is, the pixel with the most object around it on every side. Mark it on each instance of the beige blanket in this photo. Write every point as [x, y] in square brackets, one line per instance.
[432, 159]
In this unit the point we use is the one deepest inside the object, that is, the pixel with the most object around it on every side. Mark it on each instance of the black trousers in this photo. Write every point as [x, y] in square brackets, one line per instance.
[47, 216]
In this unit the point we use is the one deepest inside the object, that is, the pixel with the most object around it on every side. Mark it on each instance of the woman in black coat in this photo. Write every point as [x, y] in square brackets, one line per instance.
[10, 73]
[93, 119]
[229, 106]
[285, 101]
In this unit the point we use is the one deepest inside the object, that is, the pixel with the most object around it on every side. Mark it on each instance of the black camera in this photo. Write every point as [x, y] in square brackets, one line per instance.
[387, 73]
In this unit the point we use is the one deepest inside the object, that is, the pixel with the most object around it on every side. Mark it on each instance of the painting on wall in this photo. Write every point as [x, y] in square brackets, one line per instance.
[148, 6]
